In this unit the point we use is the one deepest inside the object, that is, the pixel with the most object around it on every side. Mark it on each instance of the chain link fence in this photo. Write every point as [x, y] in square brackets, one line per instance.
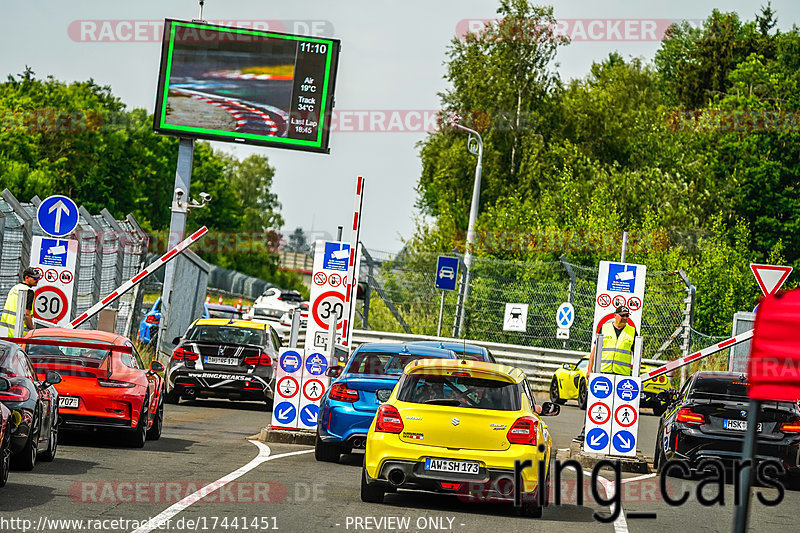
[408, 301]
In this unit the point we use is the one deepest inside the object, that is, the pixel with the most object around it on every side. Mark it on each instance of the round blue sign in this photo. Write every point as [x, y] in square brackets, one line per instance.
[290, 361]
[309, 415]
[57, 215]
[316, 364]
[623, 441]
[627, 389]
[601, 387]
[284, 412]
[597, 439]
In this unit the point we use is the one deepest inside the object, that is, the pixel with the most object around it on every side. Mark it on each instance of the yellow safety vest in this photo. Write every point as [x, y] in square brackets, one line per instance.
[8, 316]
[617, 355]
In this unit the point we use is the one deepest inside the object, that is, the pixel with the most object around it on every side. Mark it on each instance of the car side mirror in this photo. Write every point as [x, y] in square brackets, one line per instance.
[51, 378]
[4, 384]
[383, 395]
[334, 371]
[176, 340]
[550, 409]
[156, 366]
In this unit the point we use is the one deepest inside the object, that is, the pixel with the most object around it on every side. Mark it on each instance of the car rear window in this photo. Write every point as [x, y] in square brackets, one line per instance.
[381, 364]
[720, 388]
[225, 335]
[458, 391]
[12, 365]
[267, 313]
[89, 356]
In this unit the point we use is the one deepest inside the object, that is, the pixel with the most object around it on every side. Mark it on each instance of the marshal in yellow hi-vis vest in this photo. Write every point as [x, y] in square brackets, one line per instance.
[8, 316]
[617, 355]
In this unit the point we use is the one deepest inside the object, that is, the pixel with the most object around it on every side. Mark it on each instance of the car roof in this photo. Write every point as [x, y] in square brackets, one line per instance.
[457, 347]
[475, 368]
[228, 322]
[86, 334]
[408, 348]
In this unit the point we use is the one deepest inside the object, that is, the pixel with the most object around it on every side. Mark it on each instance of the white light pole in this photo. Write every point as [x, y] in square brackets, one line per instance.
[475, 146]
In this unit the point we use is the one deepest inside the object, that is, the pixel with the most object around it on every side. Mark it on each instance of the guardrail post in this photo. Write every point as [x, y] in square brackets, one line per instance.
[571, 295]
[688, 319]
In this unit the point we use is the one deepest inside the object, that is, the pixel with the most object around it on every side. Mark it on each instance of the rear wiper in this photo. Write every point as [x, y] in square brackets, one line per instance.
[444, 401]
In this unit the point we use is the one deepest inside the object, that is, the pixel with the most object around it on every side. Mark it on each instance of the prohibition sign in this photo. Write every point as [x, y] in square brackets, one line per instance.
[313, 389]
[328, 303]
[51, 275]
[600, 413]
[335, 280]
[634, 303]
[626, 418]
[618, 300]
[604, 300]
[40, 272]
[50, 304]
[287, 387]
[65, 277]
[320, 278]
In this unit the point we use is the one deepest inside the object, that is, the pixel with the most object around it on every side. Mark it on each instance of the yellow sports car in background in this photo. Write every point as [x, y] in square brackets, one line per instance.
[569, 383]
[458, 427]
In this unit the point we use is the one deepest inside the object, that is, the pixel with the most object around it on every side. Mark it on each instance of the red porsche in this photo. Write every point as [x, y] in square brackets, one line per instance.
[104, 382]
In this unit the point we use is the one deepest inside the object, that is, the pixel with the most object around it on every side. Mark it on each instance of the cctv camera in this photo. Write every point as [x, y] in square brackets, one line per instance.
[179, 192]
[205, 196]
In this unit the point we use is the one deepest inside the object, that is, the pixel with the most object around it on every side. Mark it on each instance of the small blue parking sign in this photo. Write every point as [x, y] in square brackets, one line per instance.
[446, 273]
[597, 439]
[57, 215]
[291, 361]
[565, 315]
[285, 412]
[627, 389]
[601, 387]
[316, 364]
[309, 415]
[623, 441]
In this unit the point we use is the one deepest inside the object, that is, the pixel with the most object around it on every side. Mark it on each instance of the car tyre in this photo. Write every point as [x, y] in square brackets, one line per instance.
[370, 493]
[583, 394]
[531, 509]
[138, 436]
[26, 458]
[172, 397]
[659, 458]
[5, 459]
[270, 403]
[154, 433]
[52, 444]
[554, 396]
[324, 452]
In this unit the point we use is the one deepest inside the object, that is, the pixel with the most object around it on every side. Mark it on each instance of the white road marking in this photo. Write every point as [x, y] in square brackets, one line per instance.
[620, 524]
[263, 456]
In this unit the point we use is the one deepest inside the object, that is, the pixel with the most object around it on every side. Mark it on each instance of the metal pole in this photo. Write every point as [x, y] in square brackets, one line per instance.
[177, 228]
[339, 233]
[332, 337]
[19, 321]
[473, 216]
[624, 246]
[742, 514]
[441, 311]
[295, 328]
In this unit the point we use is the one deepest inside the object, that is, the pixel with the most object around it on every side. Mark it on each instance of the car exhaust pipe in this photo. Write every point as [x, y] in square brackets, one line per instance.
[190, 393]
[358, 443]
[397, 477]
[505, 486]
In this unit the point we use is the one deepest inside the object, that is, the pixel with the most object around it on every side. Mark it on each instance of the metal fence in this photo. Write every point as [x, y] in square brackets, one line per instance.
[401, 297]
[109, 252]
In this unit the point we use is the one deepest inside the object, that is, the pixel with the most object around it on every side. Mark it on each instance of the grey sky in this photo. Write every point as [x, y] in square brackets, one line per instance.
[392, 59]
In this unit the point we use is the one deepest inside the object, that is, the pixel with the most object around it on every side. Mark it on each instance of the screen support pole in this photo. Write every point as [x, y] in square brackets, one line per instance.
[177, 229]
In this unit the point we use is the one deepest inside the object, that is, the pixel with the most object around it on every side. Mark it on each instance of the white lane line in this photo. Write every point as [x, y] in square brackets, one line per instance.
[620, 524]
[263, 456]
[638, 478]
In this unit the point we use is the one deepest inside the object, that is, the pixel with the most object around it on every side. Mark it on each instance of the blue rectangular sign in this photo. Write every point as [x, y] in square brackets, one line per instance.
[337, 256]
[621, 278]
[446, 273]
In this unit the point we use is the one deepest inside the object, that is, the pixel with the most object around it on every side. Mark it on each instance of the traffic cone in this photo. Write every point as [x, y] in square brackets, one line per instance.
[239, 305]
[208, 299]
[220, 299]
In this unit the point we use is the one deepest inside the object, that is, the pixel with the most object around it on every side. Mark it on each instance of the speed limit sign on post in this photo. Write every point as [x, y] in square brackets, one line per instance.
[328, 304]
[331, 264]
[50, 304]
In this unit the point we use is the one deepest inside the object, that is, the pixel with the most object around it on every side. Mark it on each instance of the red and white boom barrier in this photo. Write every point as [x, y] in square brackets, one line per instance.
[152, 267]
[705, 352]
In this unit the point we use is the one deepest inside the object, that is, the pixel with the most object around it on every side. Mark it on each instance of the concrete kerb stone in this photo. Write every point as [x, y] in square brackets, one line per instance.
[636, 465]
[285, 436]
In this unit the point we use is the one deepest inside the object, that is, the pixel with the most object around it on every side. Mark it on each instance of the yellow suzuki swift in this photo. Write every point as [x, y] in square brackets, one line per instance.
[460, 427]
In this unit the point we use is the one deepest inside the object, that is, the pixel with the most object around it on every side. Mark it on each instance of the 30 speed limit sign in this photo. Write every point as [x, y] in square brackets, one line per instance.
[328, 304]
[50, 304]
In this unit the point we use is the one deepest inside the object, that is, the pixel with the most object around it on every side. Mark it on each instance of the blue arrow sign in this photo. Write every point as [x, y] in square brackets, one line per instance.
[601, 387]
[446, 273]
[290, 361]
[285, 413]
[57, 215]
[316, 364]
[623, 441]
[309, 414]
[597, 439]
[627, 389]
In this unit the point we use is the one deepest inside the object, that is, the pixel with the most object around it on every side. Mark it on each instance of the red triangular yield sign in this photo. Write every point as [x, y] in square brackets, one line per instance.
[770, 277]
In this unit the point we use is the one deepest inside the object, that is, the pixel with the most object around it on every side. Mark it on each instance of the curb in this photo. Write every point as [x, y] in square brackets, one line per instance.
[636, 465]
[285, 436]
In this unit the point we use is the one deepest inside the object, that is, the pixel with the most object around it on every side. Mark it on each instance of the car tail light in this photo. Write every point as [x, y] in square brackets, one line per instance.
[461, 374]
[114, 384]
[791, 427]
[450, 486]
[182, 354]
[152, 319]
[687, 416]
[388, 420]
[17, 393]
[262, 360]
[523, 431]
[340, 392]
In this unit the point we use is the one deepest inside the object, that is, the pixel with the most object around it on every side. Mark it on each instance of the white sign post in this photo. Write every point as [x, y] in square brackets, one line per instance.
[55, 260]
[329, 291]
[300, 383]
[515, 317]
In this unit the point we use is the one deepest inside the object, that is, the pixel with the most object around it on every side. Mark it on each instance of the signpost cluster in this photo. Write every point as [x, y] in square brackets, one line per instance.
[300, 383]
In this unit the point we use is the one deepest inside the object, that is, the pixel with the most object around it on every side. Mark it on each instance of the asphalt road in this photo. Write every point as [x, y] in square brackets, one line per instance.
[97, 480]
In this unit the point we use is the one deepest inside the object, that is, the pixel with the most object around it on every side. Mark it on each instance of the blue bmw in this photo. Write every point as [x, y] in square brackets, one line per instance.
[350, 404]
